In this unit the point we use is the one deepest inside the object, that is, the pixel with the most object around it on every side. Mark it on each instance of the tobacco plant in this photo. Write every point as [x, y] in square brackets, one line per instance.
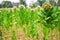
[50, 20]
[13, 35]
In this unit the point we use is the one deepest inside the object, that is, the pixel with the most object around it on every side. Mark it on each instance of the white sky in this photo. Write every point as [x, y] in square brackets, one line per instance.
[28, 1]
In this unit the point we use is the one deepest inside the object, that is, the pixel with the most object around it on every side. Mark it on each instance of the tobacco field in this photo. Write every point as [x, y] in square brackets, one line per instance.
[30, 23]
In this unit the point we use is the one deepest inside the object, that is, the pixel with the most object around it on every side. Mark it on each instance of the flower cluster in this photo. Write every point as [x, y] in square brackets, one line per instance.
[46, 6]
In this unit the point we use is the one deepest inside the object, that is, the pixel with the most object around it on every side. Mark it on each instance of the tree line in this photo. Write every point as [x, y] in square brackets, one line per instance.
[9, 4]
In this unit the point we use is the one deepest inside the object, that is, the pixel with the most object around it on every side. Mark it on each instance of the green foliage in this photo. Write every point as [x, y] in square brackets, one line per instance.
[50, 17]
[13, 35]
[1, 18]
[50, 20]
[28, 18]
[33, 30]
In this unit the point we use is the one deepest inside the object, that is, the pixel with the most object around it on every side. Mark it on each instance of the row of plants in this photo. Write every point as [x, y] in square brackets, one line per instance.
[21, 17]
[47, 17]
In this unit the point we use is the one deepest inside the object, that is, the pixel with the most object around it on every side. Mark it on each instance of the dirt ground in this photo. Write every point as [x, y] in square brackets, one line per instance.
[20, 35]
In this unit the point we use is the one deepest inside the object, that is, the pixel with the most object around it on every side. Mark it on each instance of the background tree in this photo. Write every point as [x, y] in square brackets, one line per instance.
[44, 1]
[0, 6]
[6, 4]
[23, 2]
[40, 2]
[52, 2]
[58, 2]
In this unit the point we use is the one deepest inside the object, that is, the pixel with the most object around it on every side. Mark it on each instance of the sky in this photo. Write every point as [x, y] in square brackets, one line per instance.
[28, 2]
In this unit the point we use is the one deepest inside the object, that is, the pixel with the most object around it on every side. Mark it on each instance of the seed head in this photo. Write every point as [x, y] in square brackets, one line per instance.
[46, 6]
[21, 6]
